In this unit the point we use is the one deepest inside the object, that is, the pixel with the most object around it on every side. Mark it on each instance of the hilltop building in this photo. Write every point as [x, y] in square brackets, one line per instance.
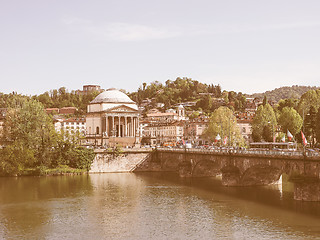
[87, 89]
[112, 119]
[169, 116]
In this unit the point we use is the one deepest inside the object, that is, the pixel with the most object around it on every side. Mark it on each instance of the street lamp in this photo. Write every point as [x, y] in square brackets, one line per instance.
[272, 131]
[114, 133]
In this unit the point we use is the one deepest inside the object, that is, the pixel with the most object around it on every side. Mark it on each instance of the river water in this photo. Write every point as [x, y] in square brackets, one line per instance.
[150, 206]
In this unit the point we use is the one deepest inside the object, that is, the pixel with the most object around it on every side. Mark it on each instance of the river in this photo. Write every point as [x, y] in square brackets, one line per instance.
[150, 206]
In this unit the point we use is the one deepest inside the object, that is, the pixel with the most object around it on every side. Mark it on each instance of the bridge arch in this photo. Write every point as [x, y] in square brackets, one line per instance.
[206, 168]
[261, 174]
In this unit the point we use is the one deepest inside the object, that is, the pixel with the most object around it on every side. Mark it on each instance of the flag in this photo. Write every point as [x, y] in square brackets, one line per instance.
[218, 138]
[304, 140]
[225, 140]
[289, 135]
[283, 139]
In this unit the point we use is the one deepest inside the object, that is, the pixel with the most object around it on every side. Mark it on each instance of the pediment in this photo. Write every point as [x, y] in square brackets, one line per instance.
[122, 109]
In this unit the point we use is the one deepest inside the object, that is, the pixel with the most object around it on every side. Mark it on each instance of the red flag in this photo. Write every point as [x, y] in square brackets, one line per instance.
[225, 140]
[289, 135]
[304, 140]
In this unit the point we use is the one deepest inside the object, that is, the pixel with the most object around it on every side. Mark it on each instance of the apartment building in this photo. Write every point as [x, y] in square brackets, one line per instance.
[166, 133]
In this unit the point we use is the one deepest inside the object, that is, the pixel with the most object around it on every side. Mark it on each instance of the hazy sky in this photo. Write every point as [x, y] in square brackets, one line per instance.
[243, 45]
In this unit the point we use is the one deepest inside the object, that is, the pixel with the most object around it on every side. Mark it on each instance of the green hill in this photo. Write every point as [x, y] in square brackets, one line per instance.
[277, 94]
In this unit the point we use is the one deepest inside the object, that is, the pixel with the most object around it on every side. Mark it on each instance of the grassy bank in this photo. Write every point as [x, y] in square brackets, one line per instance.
[43, 171]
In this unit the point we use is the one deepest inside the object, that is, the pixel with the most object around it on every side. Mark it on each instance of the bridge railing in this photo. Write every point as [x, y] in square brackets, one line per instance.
[243, 152]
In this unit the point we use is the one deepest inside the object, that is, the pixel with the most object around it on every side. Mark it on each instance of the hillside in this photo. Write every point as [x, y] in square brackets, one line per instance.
[284, 92]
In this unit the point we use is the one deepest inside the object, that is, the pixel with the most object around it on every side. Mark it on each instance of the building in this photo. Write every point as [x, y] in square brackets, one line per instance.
[244, 123]
[245, 127]
[64, 110]
[87, 89]
[71, 126]
[169, 116]
[165, 133]
[68, 110]
[112, 119]
[52, 110]
[194, 130]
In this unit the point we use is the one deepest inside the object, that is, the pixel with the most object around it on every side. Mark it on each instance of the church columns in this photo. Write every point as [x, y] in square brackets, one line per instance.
[131, 130]
[113, 132]
[138, 124]
[106, 127]
[125, 126]
[119, 126]
[135, 126]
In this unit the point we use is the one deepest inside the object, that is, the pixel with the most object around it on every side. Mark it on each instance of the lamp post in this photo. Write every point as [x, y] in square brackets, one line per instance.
[114, 133]
[272, 131]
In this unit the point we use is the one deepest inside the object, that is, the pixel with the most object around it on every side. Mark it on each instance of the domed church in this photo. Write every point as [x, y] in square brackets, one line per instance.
[112, 119]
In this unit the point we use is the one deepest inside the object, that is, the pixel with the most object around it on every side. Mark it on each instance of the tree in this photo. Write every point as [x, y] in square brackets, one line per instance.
[308, 99]
[30, 140]
[29, 134]
[264, 123]
[310, 124]
[290, 102]
[224, 123]
[82, 158]
[290, 119]
[205, 103]
[265, 100]
[240, 102]
[317, 130]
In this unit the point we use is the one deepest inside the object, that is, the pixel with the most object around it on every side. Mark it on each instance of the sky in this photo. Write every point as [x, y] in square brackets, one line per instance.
[246, 46]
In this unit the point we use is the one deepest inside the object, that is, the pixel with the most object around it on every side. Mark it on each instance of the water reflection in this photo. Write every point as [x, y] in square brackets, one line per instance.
[150, 206]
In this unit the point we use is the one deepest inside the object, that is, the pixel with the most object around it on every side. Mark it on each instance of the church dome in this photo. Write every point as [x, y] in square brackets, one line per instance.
[112, 96]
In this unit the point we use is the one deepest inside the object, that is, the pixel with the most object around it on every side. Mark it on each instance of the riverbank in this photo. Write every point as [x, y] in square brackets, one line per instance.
[43, 171]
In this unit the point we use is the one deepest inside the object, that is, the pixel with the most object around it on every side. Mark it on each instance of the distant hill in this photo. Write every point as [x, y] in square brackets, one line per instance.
[277, 94]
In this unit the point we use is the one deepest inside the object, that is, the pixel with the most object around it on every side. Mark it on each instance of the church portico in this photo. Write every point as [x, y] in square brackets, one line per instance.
[120, 126]
[117, 116]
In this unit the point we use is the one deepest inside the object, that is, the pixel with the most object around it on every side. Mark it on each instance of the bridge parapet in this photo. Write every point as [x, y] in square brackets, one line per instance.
[262, 153]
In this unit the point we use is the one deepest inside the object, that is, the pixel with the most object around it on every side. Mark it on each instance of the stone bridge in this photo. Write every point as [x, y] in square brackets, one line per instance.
[245, 168]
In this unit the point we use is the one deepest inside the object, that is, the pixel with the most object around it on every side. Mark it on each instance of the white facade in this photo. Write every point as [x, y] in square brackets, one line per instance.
[169, 115]
[163, 133]
[71, 126]
[245, 129]
[112, 119]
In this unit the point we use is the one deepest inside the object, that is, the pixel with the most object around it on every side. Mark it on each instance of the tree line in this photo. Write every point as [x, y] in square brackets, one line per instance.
[57, 98]
[188, 90]
[292, 92]
[293, 115]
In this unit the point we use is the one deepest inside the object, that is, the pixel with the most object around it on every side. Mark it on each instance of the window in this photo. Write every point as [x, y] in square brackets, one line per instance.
[97, 131]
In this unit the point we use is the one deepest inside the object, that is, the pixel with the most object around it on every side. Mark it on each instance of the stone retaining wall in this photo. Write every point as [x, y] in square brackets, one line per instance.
[109, 162]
